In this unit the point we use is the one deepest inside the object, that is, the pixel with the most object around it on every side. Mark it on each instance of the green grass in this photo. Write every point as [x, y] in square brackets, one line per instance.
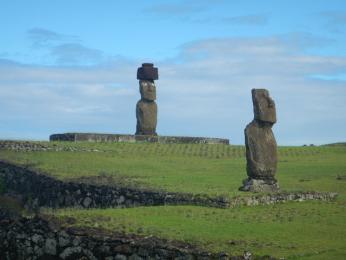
[291, 230]
[200, 168]
[307, 230]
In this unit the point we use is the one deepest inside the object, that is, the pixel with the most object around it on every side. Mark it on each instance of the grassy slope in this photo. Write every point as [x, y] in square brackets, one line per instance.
[294, 230]
[211, 169]
[309, 230]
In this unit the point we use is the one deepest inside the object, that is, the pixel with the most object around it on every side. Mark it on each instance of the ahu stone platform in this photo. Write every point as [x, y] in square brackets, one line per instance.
[95, 137]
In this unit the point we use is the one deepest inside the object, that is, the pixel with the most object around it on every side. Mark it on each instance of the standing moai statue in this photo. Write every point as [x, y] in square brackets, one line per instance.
[260, 144]
[146, 109]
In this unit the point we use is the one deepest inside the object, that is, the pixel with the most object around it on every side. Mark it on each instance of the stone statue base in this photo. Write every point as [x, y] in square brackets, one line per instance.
[97, 137]
[257, 185]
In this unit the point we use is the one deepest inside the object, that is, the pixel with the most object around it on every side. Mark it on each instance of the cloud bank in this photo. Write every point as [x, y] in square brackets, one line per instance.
[204, 91]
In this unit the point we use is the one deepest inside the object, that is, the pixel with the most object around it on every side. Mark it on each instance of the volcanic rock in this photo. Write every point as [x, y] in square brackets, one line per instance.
[260, 144]
[147, 72]
[146, 113]
[263, 106]
[146, 109]
[147, 89]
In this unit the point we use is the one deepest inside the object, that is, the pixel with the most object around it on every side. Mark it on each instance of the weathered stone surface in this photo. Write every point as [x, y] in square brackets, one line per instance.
[15, 243]
[49, 192]
[63, 239]
[261, 151]
[147, 72]
[86, 202]
[147, 89]
[50, 246]
[257, 185]
[146, 113]
[260, 144]
[93, 137]
[264, 106]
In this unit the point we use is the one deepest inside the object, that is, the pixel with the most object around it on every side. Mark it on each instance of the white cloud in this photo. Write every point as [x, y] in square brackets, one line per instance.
[205, 91]
[218, 84]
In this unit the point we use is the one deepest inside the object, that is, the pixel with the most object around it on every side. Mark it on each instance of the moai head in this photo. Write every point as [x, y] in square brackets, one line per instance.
[147, 89]
[146, 75]
[264, 106]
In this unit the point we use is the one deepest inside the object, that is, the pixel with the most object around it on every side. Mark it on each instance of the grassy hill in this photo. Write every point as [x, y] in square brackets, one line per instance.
[336, 144]
[307, 230]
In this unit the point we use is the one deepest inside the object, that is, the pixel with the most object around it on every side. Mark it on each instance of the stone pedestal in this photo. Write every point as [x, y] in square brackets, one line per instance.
[260, 144]
[258, 185]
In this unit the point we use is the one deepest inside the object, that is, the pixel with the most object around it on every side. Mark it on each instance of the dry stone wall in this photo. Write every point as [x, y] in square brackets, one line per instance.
[94, 137]
[39, 190]
[36, 238]
[27, 146]
[42, 238]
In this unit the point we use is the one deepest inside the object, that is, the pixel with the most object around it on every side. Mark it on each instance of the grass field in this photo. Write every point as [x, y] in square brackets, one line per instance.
[210, 169]
[308, 230]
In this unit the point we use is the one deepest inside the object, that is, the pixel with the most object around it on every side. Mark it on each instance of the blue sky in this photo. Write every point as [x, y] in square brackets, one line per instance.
[71, 66]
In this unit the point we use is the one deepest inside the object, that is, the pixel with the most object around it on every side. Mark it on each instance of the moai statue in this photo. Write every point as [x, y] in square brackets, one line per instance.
[146, 109]
[260, 144]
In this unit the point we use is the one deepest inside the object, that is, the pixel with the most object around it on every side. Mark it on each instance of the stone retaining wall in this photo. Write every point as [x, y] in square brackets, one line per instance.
[28, 146]
[36, 238]
[22, 146]
[39, 190]
[94, 137]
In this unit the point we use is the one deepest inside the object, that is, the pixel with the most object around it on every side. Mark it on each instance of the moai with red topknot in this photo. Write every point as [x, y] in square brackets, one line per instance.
[146, 109]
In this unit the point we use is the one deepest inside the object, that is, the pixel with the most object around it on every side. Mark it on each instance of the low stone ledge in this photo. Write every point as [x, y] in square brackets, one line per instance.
[95, 137]
[39, 238]
[22, 146]
[28, 146]
[280, 197]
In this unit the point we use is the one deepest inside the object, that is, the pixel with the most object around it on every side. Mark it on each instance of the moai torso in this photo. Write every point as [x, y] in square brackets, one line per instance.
[146, 109]
[261, 151]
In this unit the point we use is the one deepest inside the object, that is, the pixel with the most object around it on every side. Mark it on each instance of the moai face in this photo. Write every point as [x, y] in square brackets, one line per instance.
[147, 89]
[264, 106]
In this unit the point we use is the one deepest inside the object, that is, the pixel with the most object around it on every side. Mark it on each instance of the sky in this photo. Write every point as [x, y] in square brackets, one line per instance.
[70, 66]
